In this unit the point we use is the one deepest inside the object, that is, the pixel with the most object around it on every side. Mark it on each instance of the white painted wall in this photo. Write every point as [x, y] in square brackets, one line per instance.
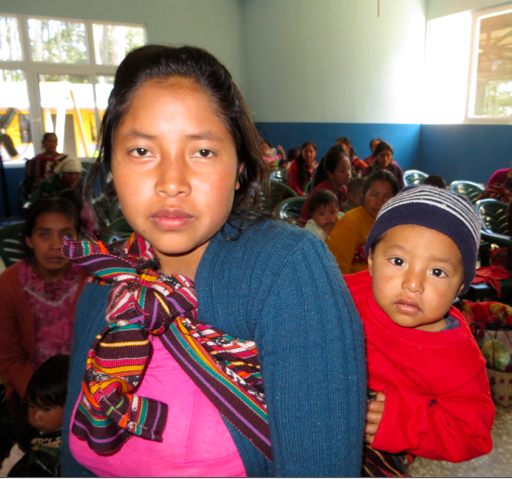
[334, 60]
[441, 8]
[216, 25]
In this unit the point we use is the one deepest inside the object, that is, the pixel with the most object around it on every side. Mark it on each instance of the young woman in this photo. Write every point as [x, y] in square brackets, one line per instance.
[383, 155]
[333, 176]
[358, 166]
[348, 237]
[200, 273]
[38, 296]
[301, 170]
[41, 166]
[373, 144]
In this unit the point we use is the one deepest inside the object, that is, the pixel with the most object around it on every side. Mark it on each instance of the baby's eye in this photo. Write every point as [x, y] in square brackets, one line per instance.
[397, 261]
[204, 153]
[439, 273]
[140, 152]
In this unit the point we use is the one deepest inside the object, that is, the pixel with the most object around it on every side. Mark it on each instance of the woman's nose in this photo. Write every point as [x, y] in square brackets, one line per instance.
[173, 176]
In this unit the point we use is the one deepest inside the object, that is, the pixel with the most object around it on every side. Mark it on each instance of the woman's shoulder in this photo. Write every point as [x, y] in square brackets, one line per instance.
[9, 277]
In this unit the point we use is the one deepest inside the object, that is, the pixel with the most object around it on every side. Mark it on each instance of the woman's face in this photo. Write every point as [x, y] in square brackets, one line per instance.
[47, 239]
[70, 179]
[50, 144]
[341, 175]
[374, 145]
[175, 171]
[379, 193]
[309, 153]
[384, 158]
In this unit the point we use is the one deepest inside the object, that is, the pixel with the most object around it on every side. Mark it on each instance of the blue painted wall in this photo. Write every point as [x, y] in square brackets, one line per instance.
[465, 152]
[404, 138]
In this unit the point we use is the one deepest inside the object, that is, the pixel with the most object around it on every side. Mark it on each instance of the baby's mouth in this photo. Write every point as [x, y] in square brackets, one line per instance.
[407, 306]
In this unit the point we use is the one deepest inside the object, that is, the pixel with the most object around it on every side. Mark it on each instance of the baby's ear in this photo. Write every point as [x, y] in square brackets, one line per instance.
[460, 289]
[370, 263]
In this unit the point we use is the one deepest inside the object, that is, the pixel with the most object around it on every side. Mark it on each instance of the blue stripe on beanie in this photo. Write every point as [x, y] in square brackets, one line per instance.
[442, 210]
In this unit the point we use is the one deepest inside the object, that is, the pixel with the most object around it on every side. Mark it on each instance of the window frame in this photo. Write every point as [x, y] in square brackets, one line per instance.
[477, 16]
[32, 69]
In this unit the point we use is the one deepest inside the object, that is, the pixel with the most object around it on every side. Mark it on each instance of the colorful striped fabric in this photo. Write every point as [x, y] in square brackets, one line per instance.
[144, 302]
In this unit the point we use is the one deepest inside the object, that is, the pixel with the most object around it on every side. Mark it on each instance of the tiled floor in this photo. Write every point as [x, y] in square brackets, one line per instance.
[498, 463]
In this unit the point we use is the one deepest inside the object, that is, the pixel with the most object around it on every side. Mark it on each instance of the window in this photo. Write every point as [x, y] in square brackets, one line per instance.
[56, 76]
[468, 67]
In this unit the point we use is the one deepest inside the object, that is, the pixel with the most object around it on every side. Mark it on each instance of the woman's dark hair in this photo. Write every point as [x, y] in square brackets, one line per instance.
[375, 139]
[346, 141]
[48, 385]
[435, 180]
[329, 163]
[163, 63]
[355, 185]
[380, 175]
[50, 205]
[382, 146]
[293, 153]
[302, 171]
[322, 198]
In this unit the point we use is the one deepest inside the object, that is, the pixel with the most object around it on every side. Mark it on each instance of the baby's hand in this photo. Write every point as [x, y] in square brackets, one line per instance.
[374, 411]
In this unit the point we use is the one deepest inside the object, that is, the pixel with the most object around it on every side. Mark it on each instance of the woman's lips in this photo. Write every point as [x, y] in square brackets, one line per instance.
[170, 219]
[407, 306]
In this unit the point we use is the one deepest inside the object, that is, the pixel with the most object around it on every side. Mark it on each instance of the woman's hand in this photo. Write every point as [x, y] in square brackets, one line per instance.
[281, 150]
[374, 411]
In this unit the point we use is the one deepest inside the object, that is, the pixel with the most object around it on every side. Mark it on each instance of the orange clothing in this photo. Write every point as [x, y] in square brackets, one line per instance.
[17, 337]
[350, 232]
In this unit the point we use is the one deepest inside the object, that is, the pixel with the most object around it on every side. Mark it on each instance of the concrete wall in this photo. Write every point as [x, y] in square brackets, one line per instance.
[442, 8]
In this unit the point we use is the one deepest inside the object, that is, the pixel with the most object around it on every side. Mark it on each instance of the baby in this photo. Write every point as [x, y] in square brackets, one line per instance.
[38, 453]
[324, 210]
[427, 375]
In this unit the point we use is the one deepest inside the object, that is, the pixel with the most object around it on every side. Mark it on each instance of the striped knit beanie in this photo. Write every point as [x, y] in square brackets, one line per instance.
[442, 210]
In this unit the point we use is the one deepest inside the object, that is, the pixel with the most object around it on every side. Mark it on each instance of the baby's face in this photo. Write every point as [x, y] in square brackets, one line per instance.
[417, 272]
[326, 216]
[45, 418]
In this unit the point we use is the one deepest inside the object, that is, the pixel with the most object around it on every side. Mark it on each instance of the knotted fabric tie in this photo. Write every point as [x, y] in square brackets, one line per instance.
[144, 302]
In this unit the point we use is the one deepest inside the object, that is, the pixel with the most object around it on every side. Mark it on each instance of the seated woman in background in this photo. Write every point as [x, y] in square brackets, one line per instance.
[301, 169]
[384, 161]
[68, 175]
[348, 237]
[333, 174]
[358, 166]
[41, 166]
[373, 144]
[293, 153]
[38, 296]
[500, 176]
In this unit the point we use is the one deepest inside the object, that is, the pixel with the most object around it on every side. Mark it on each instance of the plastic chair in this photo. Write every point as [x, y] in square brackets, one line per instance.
[309, 188]
[280, 175]
[273, 192]
[414, 177]
[118, 231]
[467, 188]
[290, 209]
[12, 244]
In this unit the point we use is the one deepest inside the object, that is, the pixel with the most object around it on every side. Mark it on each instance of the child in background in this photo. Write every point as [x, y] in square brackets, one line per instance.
[324, 210]
[38, 453]
[354, 194]
[435, 180]
[293, 153]
[432, 393]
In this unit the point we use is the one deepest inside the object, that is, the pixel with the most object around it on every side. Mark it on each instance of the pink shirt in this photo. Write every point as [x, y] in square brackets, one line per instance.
[196, 442]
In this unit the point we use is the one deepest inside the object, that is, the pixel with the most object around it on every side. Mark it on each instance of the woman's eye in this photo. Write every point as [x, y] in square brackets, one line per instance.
[439, 273]
[397, 261]
[203, 154]
[139, 152]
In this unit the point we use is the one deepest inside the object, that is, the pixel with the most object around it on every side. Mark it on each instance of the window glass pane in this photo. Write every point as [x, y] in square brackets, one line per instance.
[10, 46]
[493, 88]
[14, 115]
[113, 42]
[103, 89]
[57, 41]
[68, 108]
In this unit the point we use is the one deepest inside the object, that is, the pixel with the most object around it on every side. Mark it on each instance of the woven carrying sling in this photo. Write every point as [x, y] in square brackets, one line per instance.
[144, 302]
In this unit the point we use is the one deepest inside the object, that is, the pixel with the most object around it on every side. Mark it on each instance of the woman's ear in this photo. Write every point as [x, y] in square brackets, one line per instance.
[240, 169]
[28, 242]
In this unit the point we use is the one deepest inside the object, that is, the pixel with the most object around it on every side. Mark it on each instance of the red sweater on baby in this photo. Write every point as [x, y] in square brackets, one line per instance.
[438, 401]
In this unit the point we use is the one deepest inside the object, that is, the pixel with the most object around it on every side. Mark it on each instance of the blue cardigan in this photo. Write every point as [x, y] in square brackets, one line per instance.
[279, 286]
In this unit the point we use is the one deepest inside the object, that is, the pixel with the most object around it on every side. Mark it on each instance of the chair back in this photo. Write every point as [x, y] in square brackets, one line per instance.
[119, 230]
[12, 244]
[280, 175]
[493, 216]
[290, 209]
[273, 192]
[414, 177]
[309, 188]
[468, 189]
